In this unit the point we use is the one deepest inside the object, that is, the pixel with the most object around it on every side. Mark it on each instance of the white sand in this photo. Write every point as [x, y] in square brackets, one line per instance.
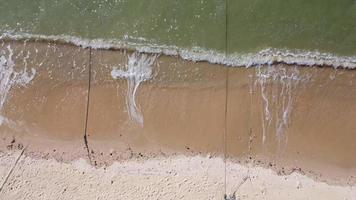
[178, 177]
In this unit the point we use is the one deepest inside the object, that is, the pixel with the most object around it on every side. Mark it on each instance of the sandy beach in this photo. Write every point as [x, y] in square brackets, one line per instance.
[173, 177]
[89, 129]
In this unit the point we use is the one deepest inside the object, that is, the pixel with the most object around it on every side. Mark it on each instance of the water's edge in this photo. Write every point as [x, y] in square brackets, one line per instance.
[267, 56]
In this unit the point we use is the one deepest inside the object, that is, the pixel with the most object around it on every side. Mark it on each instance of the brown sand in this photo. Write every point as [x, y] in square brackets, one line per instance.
[304, 115]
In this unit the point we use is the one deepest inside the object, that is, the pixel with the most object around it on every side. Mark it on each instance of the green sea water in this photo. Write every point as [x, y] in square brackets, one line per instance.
[226, 26]
[322, 25]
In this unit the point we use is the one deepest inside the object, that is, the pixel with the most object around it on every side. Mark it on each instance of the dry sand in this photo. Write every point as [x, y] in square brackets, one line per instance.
[175, 177]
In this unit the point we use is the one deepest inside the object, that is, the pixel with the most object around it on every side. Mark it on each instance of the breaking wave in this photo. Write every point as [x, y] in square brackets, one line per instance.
[263, 57]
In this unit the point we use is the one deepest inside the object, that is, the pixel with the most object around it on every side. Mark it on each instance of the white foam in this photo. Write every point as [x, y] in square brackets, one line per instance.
[282, 100]
[9, 77]
[266, 56]
[2, 119]
[139, 69]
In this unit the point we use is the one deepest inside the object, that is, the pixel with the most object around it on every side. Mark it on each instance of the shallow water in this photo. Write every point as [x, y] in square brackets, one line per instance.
[250, 31]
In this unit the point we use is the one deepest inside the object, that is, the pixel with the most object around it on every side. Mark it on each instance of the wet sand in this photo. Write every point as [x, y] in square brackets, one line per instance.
[291, 119]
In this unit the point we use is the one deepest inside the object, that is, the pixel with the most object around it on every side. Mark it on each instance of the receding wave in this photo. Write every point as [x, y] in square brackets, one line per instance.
[266, 56]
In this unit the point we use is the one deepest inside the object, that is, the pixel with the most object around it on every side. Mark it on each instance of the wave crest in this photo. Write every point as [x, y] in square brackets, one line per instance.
[264, 57]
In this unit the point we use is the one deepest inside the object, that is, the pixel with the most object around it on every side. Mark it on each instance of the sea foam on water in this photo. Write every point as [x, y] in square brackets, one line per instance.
[138, 70]
[9, 77]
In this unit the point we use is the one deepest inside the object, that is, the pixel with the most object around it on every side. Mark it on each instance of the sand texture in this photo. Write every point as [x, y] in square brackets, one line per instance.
[176, 177]
[115, 124]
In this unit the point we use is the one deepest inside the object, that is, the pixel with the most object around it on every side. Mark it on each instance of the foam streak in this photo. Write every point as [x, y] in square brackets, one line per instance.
[9, 77]
[139, 69]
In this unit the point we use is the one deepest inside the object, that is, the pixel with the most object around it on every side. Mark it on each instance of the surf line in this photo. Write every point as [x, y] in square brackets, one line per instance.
[9, 77]
[138, 70]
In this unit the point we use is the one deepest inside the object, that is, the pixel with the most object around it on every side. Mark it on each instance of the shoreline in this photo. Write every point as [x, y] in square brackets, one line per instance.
[68, 152]
[268, 56]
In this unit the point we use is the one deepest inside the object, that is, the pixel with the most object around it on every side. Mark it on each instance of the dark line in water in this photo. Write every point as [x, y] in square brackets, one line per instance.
[251, 131]
[87, 109]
